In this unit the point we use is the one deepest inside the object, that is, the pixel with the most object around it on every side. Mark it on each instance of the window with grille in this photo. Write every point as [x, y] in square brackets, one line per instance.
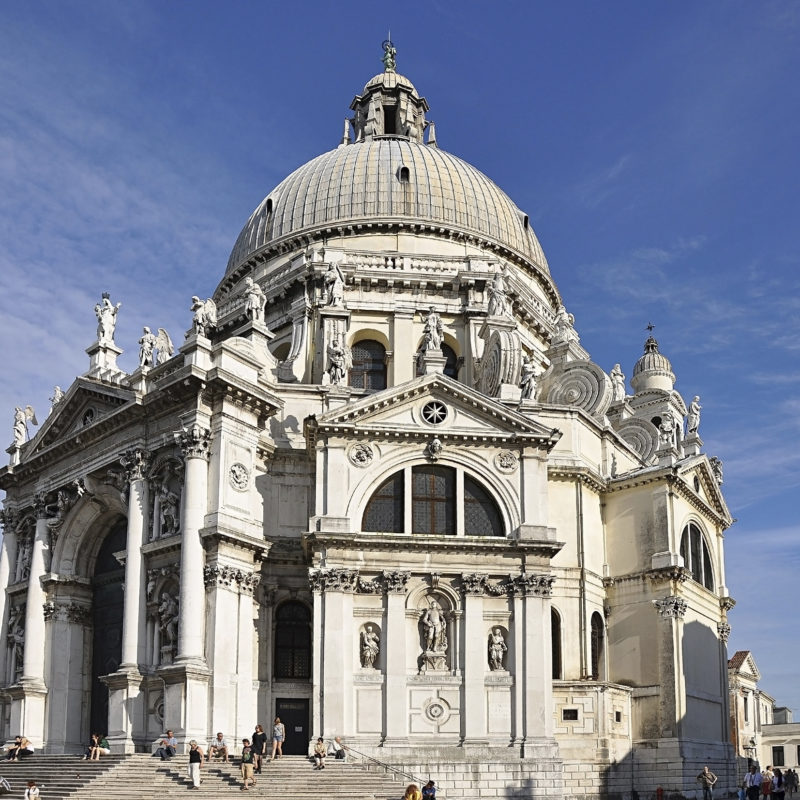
[384, 512]
[696, 555]
[777, 757]
[433, 501]
[481, 515]
[369, 366]
[293, 641]
[597, 646]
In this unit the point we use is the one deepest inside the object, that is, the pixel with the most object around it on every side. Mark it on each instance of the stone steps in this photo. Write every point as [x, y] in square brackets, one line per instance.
[141, 777]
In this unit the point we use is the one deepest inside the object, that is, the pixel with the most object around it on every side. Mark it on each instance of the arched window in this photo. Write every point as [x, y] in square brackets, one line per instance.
[481, 515]
[369, 366]
[555, 634]
[384, 512]
[434, 504]
[293, 641]
[598, 633]
[696, 556]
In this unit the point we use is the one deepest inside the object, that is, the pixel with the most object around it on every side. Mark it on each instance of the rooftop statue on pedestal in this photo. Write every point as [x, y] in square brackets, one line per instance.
[21, 417]
[693, 418]
[433, 332]
[106, 319]
[147, 345]
[498, 295]
[205, 315]
[255, 300]
[618, 384]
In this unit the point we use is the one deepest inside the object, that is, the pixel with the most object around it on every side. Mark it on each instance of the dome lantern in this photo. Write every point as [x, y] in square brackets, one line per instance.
[653, 370]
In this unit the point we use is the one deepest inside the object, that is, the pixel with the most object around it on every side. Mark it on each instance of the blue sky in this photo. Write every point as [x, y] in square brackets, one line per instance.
[654, 146]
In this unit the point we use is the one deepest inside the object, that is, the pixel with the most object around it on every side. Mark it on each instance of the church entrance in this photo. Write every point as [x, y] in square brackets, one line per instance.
[294, 715]
[107, 597]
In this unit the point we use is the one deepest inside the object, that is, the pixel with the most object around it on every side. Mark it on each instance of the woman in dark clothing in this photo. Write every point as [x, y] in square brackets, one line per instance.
[259, 748]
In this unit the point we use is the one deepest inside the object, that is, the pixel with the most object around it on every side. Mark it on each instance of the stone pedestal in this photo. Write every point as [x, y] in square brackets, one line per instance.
[619, 412]
[432, 362]
[334, 323]
[667, 455]
[126, 712]
[186, 702]
[28, 699]
[103, 362]
[692, 444]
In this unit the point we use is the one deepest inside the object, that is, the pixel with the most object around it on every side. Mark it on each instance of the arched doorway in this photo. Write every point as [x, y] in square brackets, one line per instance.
[107, 596]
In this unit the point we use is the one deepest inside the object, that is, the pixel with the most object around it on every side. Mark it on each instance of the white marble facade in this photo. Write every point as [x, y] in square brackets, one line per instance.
[383, 487]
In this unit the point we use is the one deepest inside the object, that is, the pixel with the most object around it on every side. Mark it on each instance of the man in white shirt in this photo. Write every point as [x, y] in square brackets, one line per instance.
[752, 783]
[218, 747]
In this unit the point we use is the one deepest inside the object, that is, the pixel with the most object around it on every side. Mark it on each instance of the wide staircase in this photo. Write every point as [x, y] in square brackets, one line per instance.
[142, 777]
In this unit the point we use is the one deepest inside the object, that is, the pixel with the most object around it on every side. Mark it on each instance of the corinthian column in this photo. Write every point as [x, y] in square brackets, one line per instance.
[195, 443]
[135, 463]
[8, 558]
[33, 661]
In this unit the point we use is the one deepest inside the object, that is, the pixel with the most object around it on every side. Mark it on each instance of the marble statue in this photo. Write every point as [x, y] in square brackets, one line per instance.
[693, 418]
[716, 468]
[21, 417]
[164, 347]
[617, 384]
[667, 430]
[433, 622]
[334, 286]
[255, 300]
[23, 565]
[147, 345]
[106, 314]
[433, 332]
[16, 641]
[205, 315]
[528, 377]
[58, 396]
[498, 296]
[497, 649]
[370, 647]
[168, 511]
[168, 618]
[339, 362]
[565, 331]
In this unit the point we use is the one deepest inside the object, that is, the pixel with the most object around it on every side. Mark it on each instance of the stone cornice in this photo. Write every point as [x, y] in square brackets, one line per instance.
[588, 477]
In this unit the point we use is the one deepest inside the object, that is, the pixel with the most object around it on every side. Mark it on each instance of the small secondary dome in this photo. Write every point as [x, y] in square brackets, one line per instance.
[653, 370]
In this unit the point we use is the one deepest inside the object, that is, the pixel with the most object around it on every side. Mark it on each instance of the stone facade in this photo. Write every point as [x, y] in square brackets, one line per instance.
[382, 491]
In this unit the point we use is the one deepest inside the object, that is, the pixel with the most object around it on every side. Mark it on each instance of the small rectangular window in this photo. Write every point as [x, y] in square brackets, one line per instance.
[746, 709]
[798, 755]
[569, 714]
[777, 757]
[617, 716]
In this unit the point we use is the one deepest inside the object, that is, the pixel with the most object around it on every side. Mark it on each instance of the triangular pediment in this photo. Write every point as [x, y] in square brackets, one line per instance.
[742, 663]
[85, 404]
[410, 411]
[705, 486]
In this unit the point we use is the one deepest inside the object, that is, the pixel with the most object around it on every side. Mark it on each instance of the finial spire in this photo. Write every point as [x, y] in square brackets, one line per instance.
[650, 327]
[389, 53]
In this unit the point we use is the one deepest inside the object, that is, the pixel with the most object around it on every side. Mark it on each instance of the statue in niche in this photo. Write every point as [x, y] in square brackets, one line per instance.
[497, 649]
[147, 345]
[334, 286]
[693, 418]
[433, 332]
[617, 384]
[168, 619]
[667, 430]
[498, 296]
[58, 396]
[16, 642]
[527, 381]
[255, 300]
[205, 315]
[339, 362]
[106, 314]
[370, 647]
[564, 332]
[434, 623]
[168, 511]
[23, 566]
[164, 347]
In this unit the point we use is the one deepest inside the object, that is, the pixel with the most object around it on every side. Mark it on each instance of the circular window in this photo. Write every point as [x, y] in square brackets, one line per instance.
[434, 412]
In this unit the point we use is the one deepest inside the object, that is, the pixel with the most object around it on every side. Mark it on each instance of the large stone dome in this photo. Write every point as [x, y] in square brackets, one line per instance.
[388, 179]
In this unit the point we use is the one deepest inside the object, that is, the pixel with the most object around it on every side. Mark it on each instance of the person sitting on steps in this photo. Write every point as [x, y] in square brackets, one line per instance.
[218, 747]
[319, 754]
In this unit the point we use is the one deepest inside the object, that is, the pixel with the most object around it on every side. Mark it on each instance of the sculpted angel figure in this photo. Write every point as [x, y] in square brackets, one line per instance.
[205, 315]
[693, 418]
[497, 648]
[667, 429]
[565, 332]
[498, 296]
[528, 377]
[339, 362]
[370, 647]
[106, 314]
[334, 286]
[617, 384]
[433, 622]
[146, 346]
[255, 300]
[433, 332]
[168, 617]
[164, 347]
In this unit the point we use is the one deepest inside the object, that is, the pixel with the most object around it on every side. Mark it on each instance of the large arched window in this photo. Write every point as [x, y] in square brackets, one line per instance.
[555, 634]
[598, 632]
[435, 501]
[293, 641]
[369, 366]
[696, 557]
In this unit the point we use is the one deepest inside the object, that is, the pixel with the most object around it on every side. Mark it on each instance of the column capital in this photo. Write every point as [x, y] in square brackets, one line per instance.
[231, 578]
[40, 505]
[528, 585]
[671, 607]
[9, 518]
[195, 441]
[724, 631]
[135, 463]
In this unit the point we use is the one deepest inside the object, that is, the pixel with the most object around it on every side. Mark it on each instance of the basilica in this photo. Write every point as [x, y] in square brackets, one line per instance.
[380, 490]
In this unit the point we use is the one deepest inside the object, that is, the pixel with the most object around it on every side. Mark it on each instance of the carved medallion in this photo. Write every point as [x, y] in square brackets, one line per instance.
[434, 413]
[361, 455]
[239, 476]
[506, 461]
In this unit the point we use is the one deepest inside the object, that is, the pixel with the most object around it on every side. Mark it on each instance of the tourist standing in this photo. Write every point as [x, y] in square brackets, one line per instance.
[195, 763]
[707, 779]
[752, 783]
[278, 735]
[259, 748]
[778, 785]
[247, 764]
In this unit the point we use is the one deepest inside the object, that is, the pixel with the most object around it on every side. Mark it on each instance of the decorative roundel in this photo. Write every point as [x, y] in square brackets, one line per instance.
[239, 476]
[436, 710]
[434, 413]
[361, 455]
[501, 362]
[641, 435]
[506, 461]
